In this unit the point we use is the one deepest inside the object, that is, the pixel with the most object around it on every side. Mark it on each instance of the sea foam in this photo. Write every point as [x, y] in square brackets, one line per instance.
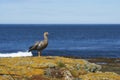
[17, 54]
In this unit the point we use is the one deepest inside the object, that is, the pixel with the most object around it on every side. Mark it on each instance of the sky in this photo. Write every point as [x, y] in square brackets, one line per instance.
[59, 11]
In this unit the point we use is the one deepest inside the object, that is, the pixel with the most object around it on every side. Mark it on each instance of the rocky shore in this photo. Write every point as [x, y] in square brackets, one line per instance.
[108, 64]
[59, 68]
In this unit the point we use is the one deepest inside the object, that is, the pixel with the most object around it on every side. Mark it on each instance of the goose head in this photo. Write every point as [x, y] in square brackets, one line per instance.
[45, 33]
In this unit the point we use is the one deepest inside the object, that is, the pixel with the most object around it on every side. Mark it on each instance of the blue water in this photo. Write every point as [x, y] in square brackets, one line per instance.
[64, 40]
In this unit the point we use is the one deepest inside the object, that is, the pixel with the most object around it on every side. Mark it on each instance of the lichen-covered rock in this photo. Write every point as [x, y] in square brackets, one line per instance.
[38, 77]
[54, 72]
[100, 76]
[56, 67]
[67, 75]
[92, 67]
[61, 73]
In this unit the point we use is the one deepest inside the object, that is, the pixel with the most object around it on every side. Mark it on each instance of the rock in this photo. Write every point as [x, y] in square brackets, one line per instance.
[67, 75]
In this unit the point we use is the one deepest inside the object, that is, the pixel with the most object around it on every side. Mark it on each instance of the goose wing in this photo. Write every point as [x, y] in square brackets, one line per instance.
[40, 45]
[34, 47]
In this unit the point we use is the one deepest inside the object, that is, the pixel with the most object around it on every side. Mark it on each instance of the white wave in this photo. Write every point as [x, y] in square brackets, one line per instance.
[17, 54]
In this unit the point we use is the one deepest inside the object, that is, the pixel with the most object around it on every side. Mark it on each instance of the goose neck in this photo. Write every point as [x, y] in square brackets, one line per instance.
[45, 37]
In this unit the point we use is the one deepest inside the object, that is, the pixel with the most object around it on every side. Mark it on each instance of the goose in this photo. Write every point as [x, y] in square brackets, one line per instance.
[40, 45]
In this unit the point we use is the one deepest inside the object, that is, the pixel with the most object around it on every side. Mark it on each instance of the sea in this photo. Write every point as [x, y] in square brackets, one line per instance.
[71, 40]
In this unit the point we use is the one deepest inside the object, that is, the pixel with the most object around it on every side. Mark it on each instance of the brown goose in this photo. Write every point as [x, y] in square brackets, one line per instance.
[39, 46]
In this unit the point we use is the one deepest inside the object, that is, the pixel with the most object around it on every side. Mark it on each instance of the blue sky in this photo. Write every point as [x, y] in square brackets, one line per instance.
[59, 11]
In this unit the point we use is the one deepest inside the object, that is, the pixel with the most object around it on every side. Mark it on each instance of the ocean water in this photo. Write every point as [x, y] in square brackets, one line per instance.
[64, 40]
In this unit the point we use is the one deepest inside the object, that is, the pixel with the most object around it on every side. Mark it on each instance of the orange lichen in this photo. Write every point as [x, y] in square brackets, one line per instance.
[100, 76]
[22, 67]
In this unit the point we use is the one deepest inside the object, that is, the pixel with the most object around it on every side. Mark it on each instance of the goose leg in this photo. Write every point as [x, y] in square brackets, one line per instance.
[39, 53]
